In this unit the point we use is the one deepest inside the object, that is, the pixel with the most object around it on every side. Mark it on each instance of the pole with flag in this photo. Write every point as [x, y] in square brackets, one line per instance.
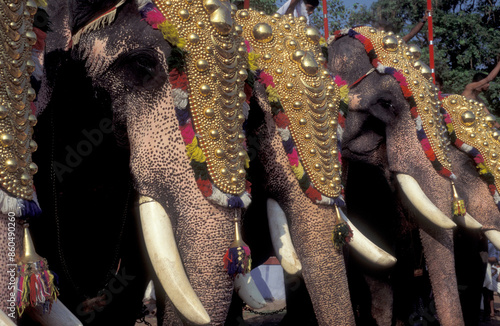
[431, 40]
[325, 19]
[246, 4]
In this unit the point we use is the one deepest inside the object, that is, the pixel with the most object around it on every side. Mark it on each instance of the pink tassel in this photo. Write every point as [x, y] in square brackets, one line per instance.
[154, 18]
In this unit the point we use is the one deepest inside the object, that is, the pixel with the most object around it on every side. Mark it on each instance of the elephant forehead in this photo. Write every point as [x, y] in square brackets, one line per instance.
[474, 131]
[216, 73]
[304, 95]
[390, 55]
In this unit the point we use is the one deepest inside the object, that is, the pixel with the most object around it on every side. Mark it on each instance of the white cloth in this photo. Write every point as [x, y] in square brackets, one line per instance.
[300, 10]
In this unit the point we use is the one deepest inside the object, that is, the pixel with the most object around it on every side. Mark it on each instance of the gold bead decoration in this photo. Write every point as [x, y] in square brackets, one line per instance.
[390, 43]
[468, 118]
[312, 34]
[4, 112]
[194, 38]
[214, 134]
[262, 33]
[6, 140]
[220, 153]
[205, 89]
[11, 165]
[297, 105]
[490, 120]
[33, 168]
[202, 65]
[297, 56]
[31, 37]
[309, 65]
[183, 14]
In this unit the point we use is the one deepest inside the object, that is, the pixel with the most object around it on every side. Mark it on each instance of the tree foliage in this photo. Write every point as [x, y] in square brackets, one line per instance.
[466, 37]
[338, 16]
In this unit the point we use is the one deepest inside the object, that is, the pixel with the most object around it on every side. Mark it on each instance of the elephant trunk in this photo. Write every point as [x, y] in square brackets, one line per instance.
[437, 243]
[312, 238]
[202, 231]
[438, 251]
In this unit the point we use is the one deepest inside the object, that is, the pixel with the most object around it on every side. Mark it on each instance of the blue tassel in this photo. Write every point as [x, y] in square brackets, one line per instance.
[31, 209]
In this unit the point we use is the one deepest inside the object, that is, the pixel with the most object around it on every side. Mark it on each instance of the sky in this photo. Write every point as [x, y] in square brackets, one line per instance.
[347, 3]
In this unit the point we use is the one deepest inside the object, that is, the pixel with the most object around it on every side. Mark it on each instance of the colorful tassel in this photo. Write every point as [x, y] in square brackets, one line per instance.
[35, 283]
[237, 259]
[342, 233]
[458, 203]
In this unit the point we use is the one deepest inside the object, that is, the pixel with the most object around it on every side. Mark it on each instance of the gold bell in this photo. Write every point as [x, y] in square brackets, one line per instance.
[29, 254]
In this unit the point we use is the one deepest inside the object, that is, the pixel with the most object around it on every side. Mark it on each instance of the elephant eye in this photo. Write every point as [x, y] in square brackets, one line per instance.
[141, 70]
[386, 104]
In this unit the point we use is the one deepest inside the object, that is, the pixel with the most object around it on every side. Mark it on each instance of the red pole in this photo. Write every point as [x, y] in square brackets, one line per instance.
[431, 40]
[246, 4]
[325, 19]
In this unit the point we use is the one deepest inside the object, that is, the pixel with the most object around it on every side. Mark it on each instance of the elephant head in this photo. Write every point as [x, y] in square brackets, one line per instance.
[394, 140]
[152, 115]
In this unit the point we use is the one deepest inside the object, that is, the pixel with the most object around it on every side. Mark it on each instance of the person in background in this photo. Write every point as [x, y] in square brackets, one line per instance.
[488, 303]
[299, 8]
[481, 83]
[417, 28]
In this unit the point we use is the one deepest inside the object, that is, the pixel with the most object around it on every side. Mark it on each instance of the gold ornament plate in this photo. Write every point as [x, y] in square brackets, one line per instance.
[289, 51]
[393, 52]
[216, 72]
[16, 121]
[475, 127]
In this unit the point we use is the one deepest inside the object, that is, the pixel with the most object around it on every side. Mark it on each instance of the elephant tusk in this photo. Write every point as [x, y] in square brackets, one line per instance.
[494, 237]
[367, 249]
[246, 288]
[5, 320]
[422, 203]
[162, 250]
[468, 221]
[282, 241]
[59, 315]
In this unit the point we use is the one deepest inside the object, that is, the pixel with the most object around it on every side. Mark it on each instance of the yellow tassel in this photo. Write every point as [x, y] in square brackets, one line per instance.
[272, 94]
[41, 3]
[298, 171]
[171, 35]
[252, 61]
[322, 41]
[344, 93]
[458, 203]
[194, 151]
[483, 169]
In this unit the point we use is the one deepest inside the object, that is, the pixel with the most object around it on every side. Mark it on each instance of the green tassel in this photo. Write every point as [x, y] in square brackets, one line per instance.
[342, 233]
[458, 203]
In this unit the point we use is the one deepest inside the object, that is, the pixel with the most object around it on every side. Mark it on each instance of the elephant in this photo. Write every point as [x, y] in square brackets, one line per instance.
[110, 60]
[379, 144]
